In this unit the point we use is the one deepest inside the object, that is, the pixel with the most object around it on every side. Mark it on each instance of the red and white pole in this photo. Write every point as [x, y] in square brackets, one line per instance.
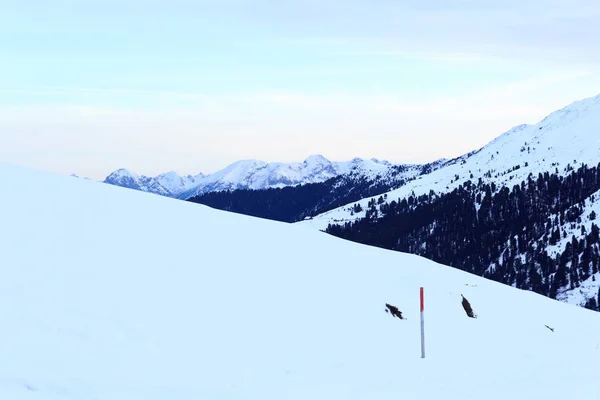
[422, 326]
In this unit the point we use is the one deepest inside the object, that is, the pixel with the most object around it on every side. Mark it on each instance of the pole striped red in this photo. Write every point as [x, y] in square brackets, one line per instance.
[422, 325]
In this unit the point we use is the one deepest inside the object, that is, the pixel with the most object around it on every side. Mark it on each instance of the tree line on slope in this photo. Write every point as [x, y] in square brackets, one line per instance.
[295, 203]
[503, 234]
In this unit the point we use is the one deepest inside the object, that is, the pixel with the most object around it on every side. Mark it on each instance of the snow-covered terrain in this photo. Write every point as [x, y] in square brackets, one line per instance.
[249, 174]
[167, 184]
[567, 137]
[98, 301]
[590, 287]
[175, 183]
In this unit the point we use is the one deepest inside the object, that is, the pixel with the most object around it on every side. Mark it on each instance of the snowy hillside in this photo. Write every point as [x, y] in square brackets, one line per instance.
[589, 288]
[249, 174]
[99, 302]
[549, 169]
[568, 137]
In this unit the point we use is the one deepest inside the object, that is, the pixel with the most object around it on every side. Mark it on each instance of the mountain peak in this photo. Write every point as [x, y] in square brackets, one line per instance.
[122, 173]
[316, 159]
[571, 112]
[170, 174]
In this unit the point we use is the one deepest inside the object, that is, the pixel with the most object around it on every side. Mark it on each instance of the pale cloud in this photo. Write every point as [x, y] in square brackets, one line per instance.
[193, 85]
[525, 29]
[462, 57]
[272, 125]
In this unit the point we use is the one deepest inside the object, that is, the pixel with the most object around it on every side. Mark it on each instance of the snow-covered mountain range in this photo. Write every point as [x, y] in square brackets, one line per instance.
[553, 250]
[248, 174]
[99, 302]
[168, 184]
[563, 140]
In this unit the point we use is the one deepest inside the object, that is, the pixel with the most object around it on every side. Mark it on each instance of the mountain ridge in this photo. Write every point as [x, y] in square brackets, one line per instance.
[521, 142]
[248, 174]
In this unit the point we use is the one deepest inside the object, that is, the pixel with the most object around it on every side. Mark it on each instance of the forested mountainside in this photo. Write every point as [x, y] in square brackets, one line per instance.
[540, 235]
[295, 203]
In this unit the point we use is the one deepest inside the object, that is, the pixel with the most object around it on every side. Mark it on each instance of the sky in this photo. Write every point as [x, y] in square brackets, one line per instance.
[88, 87]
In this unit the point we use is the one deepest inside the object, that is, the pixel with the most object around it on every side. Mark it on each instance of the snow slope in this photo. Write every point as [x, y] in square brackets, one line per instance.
[98, 301]
[570, 136]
